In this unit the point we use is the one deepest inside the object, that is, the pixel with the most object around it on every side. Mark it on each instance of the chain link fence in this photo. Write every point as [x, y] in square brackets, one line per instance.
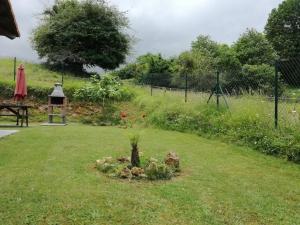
[287, 93]
[271, 92]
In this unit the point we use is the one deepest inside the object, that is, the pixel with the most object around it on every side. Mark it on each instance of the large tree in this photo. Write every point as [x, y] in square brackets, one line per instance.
[253, 48]
[283, 29]
[74, 33]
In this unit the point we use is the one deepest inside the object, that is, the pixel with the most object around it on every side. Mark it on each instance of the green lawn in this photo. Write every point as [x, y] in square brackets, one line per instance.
[47, 177]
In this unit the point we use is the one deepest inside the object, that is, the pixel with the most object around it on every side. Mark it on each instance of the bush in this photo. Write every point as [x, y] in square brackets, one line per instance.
[158, 171]
[251, 78]
[107, 89]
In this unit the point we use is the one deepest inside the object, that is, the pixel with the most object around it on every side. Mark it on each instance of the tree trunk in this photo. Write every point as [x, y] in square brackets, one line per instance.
[135, 158]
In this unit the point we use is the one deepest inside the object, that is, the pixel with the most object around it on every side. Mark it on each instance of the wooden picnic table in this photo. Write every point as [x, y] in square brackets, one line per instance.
[19, 111]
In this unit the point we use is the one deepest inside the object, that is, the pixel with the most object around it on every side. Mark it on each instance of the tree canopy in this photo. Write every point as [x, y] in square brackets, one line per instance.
[283, 29]
[253, 48]
[74, 33]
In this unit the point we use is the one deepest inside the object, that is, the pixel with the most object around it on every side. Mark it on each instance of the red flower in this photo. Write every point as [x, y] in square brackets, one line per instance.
[123, 115]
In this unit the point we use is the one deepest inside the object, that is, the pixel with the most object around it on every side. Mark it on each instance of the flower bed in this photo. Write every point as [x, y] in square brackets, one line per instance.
[151, 169]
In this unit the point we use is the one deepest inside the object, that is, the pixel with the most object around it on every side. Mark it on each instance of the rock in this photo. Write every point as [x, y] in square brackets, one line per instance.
[126, 173]
[153, 160]
[100, 162]
[123, 160]
[108, 159]
[136, 171]
[172, 160]
[143, 176]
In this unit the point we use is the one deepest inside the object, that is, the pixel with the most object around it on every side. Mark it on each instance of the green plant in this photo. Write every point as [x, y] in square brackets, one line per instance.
[102, 90]
[248, 122]
[158, 171]
[135, 158]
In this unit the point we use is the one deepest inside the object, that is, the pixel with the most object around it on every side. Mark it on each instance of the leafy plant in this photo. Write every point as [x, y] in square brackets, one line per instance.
[135, 158]
[101, 90]
[158, 171]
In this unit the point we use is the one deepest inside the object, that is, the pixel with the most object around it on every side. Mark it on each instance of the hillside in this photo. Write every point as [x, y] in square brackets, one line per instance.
[37, 75]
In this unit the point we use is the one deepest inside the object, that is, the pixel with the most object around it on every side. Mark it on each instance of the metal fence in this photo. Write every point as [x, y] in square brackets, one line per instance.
[274, 95]
[287, 93]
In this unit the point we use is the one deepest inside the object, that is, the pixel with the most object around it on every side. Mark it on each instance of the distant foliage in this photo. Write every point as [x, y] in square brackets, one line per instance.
[102, 90]
[149, 68]
[245, 67]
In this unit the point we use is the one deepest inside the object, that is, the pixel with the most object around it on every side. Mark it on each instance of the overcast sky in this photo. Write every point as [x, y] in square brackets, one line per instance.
[166, 26]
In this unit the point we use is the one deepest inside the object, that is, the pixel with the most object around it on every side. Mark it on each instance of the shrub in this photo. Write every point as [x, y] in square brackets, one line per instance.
[106, 165]
[158, 171]
[107, 89]
[251, 78]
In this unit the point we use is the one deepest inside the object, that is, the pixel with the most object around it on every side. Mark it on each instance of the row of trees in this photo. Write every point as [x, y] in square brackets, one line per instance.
[77, 33]
[248, 64]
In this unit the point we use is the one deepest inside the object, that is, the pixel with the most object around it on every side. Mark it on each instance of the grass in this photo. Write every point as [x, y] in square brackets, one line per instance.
[37, 75]
[47, 177]
[259, 105]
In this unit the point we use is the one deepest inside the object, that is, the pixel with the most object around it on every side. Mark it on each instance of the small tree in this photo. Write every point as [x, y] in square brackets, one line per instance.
[135, 157]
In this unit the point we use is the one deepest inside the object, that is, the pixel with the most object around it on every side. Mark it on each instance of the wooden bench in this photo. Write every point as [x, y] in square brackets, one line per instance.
[15, 110]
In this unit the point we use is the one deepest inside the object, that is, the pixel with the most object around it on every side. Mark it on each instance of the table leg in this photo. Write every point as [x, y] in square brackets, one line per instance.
[18, 116]
[26, 117]
[22, 118]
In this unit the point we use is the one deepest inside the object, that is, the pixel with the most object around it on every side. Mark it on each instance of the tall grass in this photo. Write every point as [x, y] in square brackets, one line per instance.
[248, 119]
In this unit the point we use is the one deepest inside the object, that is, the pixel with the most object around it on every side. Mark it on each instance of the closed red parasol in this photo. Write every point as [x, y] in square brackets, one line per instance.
[21, 87]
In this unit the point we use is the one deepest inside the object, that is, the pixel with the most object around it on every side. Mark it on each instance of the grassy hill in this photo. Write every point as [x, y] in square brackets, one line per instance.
[36, 75]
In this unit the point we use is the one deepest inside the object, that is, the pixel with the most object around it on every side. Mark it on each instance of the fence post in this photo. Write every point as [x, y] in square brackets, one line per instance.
[151, 84]
[218, 89]
[276, 93]
[15, 69]
[186, 87]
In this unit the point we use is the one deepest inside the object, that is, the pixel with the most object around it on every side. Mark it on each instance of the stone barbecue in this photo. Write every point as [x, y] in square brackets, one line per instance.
[57, 104]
